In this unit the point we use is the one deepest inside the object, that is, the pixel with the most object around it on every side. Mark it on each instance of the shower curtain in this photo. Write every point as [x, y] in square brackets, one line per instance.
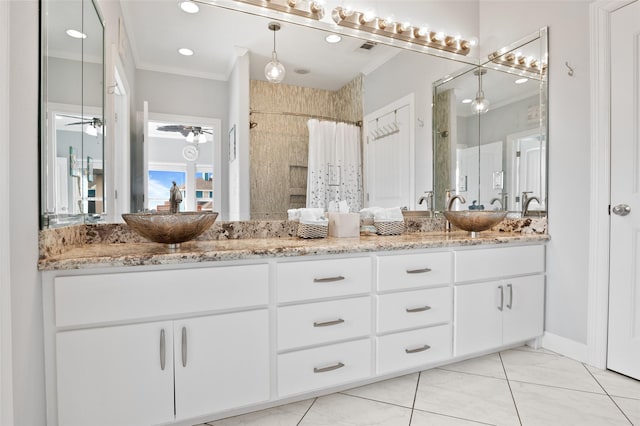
[334, 166]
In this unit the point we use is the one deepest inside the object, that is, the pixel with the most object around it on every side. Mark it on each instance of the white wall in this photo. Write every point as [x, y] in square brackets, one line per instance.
[569, 163]
[238, 183]
[26, 291]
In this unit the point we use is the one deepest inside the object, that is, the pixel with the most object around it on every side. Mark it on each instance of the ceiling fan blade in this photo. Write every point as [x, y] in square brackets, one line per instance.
[78, 122]
[77, 117]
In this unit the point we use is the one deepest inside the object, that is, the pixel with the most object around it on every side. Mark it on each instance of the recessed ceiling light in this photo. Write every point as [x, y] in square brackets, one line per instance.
[75, 34]
[467, 101]
[333, 38]
[189, 7]
[521, 80]
[184, 51]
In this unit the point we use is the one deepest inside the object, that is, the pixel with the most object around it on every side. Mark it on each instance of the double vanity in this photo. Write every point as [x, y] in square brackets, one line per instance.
[221, 327]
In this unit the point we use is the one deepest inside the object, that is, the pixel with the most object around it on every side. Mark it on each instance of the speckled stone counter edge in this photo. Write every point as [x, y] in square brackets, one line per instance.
[57, 241]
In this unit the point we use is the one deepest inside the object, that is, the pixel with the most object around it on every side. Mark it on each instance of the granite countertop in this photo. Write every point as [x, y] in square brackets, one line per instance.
[147, 253]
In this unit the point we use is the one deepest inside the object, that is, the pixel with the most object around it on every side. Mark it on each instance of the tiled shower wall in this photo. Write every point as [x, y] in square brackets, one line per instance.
[279, 142]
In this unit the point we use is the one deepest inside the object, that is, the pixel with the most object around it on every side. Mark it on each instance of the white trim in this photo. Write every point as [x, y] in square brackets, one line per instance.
[6, 352]
[566, 347]
[598, 281]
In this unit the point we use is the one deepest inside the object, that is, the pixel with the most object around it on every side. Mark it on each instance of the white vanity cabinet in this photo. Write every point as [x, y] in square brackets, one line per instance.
[414, 310]
[498, 312]
[150, 373]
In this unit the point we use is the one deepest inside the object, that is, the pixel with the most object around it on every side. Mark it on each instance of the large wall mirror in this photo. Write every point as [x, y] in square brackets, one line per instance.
[241, 143]
[490, 131]
[72, 129]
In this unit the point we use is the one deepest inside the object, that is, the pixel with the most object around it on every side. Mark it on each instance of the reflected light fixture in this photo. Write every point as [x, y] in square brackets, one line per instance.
[189, 7]
[534, 67]
[480, 104]
[521, 80]
[313, 9]
[333, 38]
[404, 31]
[202, 138]
[274, 70]
[75, 33]
[190, 137]
[467, 101]
[91, 130]
[185, 52]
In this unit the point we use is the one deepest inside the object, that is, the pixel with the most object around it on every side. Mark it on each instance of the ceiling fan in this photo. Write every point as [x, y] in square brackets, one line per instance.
[94, 124]
[189, 132]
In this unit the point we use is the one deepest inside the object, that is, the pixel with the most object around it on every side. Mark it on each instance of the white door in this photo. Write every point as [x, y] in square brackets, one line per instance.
[116, 375]
[523, 309]
[389, 162]
[221, 362]
[484, 183]
[478, 317]
[623, 353]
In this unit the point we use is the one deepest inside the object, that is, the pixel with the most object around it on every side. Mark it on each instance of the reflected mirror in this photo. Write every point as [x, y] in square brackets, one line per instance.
[72, 138]
[490, 131]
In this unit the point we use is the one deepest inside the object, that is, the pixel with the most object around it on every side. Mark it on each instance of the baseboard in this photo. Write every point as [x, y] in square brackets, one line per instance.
[566, 347]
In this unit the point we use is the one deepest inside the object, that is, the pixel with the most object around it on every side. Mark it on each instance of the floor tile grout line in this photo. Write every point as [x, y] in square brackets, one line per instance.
[607, 393]
[375, 400]
[415, 395]
[557, 387]
[305, 413]
[472, 374]
[454, 417]
[513, 398]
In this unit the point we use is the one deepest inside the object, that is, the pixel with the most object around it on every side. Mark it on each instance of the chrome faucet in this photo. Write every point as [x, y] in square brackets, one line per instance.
[453, 199]
[525, 205]
[428, 198]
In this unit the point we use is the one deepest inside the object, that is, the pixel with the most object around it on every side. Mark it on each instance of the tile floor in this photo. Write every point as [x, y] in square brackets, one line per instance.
[521, 386]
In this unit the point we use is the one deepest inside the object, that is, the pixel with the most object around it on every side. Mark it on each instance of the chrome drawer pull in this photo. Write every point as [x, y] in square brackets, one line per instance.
[416, 350]
[184, 346]
[328, 323]
[163, 352]
[510, 288]
[329, 368]
[420, 309]
[418, 271]
[501, 307]
[329, 279]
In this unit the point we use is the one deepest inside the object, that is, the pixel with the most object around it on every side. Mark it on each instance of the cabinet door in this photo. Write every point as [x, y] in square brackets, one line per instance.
[478, 317]
[523, 309]
[221, 362]
[114, 375]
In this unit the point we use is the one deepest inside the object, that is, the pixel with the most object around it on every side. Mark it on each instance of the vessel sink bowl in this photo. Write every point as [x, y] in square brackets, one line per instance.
[416, 213]
[170, 228]
[475, 220]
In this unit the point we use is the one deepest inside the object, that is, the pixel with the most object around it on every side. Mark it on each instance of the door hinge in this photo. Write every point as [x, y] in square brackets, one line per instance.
[518, 153]
[609, 209]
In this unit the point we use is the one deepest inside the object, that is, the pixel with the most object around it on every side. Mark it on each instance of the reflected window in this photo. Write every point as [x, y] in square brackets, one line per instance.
[160, 182]
[204, 190]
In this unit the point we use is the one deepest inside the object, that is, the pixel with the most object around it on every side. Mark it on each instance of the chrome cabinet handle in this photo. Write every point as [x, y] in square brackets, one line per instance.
[621, 209]
[416, 350]
[329, 368]
[510, 288]
[328, 323]
[329, 279]
[163, 351]
[501, 307]
[418, 271]
[184, 346]
[420, 309]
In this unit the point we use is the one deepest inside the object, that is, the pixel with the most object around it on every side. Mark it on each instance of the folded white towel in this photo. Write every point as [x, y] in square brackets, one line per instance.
[393, 214]
[369, 212]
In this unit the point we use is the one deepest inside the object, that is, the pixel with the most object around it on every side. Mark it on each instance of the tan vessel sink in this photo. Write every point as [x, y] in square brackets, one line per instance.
[170, 228]
[475, 220]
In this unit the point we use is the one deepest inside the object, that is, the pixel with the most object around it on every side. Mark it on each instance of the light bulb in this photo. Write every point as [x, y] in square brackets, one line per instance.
[202, 138]
[91, 130]
[274, 71]
[190, 137]
[189, 7]
[480, 104]
[367, 17]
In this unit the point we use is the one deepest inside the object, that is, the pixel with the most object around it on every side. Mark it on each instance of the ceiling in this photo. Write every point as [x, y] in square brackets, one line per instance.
[157, 29]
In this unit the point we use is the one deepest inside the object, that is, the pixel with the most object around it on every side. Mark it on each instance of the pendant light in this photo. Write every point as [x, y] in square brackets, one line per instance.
[480, 104]
[274, 71]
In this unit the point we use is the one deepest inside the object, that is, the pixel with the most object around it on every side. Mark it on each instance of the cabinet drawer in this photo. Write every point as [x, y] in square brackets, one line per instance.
[323, 367]
[314, 323]
[413, 270]
[90, 299]
[318, 279]
[409, 349]
[476, 265]
[414, 309]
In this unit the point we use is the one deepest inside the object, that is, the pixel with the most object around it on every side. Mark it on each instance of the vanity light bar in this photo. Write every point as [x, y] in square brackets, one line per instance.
[404, 31]
[513, 60]
[314, 8]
